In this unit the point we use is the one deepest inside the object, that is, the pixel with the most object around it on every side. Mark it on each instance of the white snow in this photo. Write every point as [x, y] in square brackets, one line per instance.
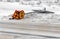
[8, 9]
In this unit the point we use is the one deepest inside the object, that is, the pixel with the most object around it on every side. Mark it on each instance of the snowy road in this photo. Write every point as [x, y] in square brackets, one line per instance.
[40, 29]
[14, 26]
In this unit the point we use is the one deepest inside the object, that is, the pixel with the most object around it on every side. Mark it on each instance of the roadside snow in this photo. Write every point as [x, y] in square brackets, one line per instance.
[8, 9]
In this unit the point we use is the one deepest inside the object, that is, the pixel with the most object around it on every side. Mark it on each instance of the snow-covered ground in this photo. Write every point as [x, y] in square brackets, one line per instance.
[30, 19]
[7, 8]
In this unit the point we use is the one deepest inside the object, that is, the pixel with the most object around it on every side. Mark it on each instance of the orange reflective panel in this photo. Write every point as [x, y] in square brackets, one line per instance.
[18, 14]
